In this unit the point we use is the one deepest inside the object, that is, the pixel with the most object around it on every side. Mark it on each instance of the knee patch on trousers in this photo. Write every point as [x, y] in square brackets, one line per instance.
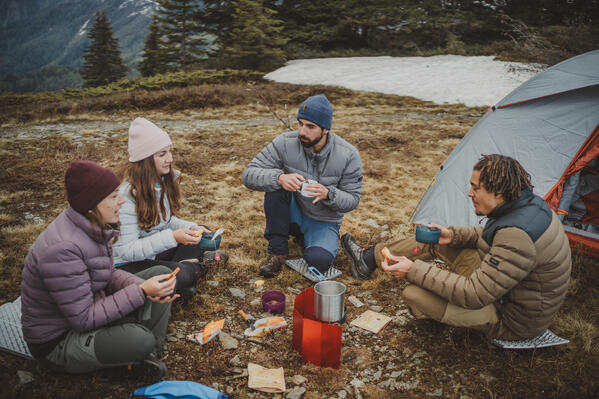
[319, 257]
[157, 270]
[123, 344]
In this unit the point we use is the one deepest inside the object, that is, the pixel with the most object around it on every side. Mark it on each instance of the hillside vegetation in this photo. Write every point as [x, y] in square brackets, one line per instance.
[262, 35]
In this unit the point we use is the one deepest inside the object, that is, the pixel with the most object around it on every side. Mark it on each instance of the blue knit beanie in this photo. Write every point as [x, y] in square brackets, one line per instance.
[317, 109]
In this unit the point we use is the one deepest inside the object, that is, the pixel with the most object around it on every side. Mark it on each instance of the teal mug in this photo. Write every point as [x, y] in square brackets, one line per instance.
[208, 244]
[427, 235]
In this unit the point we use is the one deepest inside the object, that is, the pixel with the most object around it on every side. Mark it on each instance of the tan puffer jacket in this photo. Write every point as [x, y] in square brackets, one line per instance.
[530, 278]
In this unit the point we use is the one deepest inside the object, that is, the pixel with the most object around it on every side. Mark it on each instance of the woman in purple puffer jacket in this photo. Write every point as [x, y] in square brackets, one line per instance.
[78, 312]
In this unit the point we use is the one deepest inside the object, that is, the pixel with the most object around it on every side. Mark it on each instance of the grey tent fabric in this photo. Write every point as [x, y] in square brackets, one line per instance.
[574, 73]
[543, 131]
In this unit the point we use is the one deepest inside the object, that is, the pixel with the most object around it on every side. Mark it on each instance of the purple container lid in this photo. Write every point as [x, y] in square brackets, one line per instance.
[275, 295]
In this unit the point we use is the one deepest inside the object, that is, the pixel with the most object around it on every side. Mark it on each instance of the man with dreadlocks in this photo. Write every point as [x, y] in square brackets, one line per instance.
[507, 279]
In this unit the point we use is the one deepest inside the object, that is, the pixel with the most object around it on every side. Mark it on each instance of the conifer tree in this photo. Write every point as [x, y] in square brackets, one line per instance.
[102, 62]
[255, 40]
[315, 24]
[183, 42]
[216, 18]
[153, 57]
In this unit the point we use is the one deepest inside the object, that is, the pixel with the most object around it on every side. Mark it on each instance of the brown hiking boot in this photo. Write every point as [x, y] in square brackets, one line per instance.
[272, 265]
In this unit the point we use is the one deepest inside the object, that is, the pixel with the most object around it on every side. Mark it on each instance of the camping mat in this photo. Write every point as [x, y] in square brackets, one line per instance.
[11, 335]
[547, 338]
[300, 266]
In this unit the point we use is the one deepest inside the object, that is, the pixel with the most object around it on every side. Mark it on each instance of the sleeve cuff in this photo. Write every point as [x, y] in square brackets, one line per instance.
[331, 196]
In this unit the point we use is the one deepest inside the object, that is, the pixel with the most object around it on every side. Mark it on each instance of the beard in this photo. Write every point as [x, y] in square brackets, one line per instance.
[308, 144]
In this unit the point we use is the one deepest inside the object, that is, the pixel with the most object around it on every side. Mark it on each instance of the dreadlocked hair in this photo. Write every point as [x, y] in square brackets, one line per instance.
[142, 177]
[500, 174]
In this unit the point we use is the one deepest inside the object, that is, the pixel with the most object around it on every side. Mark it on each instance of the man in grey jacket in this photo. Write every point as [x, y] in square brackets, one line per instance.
[311, 177]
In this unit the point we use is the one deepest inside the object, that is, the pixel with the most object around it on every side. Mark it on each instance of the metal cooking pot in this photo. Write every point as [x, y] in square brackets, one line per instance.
[328, 301]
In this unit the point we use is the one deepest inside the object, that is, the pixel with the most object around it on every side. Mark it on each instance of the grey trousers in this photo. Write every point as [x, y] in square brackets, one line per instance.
[126, 341]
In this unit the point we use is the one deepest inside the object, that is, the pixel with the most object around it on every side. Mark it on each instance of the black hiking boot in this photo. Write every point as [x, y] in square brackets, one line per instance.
[272, 265]
[188, 293]
[354, 252]
[156, 368]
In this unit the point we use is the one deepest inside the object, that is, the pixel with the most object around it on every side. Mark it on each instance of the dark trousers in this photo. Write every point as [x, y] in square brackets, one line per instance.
[172, 258]
[277, 208]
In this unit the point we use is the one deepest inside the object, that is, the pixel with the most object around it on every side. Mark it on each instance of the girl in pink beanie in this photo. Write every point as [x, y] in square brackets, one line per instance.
[151, 233]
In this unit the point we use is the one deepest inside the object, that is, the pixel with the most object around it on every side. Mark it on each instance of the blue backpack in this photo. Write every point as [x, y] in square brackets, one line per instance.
[178, 390]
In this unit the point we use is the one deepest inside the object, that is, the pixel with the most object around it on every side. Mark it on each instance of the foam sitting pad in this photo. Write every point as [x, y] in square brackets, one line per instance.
[11, 334]
[544, 340]
[301, 266]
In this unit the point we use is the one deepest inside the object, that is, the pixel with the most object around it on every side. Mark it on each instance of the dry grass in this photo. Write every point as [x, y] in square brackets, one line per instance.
[402, 142]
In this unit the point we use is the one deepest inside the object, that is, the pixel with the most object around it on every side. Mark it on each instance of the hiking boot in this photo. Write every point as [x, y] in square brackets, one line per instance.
[157, 369]
[214, 259]
[188, 293]
[272, 265]
[359, 268]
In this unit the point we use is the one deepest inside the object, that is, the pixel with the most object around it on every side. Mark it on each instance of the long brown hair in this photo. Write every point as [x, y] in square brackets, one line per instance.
[143, 177]
[95, 218]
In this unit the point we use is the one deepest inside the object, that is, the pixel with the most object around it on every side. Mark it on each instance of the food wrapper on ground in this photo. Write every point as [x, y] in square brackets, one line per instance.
[264, 326]
[355, 301]
[210, 331]
[371, 321]
[265, 380]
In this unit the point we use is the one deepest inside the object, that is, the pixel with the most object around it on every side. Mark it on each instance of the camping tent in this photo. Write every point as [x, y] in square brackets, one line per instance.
[550, 124]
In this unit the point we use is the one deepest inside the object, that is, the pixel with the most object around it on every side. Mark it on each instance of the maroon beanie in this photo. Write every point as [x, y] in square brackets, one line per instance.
[87, 184]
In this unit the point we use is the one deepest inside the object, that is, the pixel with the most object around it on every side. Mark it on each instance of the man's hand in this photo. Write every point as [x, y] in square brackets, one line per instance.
[318, 191]
[291, 181]
[446, 234]
[159, 289]
[187, 236]
[399, 269]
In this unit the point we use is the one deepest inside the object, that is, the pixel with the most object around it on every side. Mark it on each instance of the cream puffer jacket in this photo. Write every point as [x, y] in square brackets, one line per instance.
[135, 244]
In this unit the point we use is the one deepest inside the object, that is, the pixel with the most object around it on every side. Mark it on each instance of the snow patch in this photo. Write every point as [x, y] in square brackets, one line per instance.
[148, 10]
[144, 4]
[442, 79]
[82, 29]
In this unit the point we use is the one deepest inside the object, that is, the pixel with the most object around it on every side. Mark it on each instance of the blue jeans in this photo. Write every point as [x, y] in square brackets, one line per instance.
[283, 217]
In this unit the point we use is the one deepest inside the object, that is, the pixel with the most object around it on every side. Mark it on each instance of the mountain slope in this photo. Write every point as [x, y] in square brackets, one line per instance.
[40, 33]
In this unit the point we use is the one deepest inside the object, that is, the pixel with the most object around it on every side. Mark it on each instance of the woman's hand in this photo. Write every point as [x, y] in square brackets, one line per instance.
[446, 234]
[399, 269]
[187, 236]
[159, 289]
[198, 230]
